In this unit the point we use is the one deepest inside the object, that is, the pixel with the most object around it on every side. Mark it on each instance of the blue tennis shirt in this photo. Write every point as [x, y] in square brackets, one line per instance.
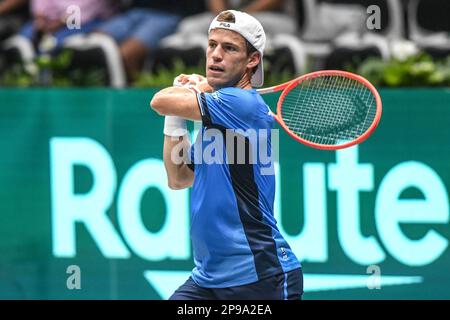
[234, 234]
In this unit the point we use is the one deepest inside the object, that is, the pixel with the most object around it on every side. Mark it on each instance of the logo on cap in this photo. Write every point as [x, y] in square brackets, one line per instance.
[223, 24]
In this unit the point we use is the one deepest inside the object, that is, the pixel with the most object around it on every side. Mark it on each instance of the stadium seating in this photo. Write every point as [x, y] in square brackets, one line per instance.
[429, 26]
[99, 50]
[17, 49]
[391, 14]
[284, 51]
[347, 39]
[332, 34]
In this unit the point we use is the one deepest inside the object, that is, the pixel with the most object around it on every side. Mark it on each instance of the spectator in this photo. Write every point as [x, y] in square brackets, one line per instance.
[12, 15]
[275, 15]
[49, 20]
[139, 30]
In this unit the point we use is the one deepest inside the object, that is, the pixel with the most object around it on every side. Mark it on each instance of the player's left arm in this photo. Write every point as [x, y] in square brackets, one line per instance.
[180, 101]
[175, 101]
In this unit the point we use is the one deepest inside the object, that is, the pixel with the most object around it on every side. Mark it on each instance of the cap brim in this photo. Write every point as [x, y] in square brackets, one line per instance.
[258, 77]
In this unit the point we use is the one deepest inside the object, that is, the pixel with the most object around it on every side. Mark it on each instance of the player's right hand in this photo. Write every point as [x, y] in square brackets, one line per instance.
[189, 79]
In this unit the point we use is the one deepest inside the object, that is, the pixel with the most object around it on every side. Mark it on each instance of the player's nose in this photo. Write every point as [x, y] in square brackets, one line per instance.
[217, 54]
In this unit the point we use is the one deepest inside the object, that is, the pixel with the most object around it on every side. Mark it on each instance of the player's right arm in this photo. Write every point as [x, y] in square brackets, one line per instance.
[175, 156]
[177, 103]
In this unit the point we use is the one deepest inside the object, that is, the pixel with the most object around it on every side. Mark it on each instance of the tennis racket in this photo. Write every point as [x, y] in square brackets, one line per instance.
[328, 109]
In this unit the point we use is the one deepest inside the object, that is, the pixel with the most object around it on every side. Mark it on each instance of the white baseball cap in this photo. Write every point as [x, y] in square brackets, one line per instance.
[252, 30]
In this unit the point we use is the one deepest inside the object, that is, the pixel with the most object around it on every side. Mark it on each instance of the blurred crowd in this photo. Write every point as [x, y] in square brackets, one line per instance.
[127, 36]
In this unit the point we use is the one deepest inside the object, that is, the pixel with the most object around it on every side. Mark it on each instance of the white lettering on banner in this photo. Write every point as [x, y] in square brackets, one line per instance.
[159, 245]
[391, 211]
[90, 209]
[311, 244]
[346, 177]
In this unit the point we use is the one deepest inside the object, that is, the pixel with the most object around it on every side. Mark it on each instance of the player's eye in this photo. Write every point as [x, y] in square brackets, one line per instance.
[230, 48]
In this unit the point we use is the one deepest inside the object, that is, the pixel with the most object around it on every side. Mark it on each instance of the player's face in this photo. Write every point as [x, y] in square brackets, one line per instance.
[226, 58]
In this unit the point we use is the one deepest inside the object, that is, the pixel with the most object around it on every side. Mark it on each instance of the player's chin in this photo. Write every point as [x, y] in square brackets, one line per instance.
[215, 81]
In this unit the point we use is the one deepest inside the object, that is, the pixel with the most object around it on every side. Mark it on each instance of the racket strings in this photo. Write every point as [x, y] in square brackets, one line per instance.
[329, 110]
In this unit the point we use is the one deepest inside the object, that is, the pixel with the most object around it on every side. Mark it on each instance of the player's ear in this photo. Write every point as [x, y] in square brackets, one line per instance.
[254, 59]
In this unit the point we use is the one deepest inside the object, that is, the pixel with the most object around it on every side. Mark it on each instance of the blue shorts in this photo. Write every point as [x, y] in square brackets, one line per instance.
[285, 286]
[148, 26]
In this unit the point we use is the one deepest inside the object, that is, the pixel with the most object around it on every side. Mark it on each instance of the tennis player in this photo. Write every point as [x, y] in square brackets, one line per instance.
[239, 252]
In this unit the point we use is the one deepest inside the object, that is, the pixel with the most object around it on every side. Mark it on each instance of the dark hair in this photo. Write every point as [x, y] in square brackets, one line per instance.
[250, 50]
[227, 16]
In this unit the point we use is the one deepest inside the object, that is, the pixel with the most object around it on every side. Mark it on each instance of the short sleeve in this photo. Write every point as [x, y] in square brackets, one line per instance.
[231, 108]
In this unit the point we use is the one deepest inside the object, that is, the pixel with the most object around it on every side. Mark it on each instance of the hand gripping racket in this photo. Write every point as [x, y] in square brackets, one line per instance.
[328, 109]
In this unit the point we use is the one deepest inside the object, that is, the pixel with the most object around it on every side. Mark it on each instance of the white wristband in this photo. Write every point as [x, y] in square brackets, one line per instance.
[174, 126]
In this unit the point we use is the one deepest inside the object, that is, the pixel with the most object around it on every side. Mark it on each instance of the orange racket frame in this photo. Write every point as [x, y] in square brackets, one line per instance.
[286, 88]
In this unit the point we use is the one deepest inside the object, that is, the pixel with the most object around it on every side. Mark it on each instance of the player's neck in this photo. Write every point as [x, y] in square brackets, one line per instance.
[244, 82]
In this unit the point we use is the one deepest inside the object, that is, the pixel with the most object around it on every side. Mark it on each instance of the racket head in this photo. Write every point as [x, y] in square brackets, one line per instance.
[329, 110]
